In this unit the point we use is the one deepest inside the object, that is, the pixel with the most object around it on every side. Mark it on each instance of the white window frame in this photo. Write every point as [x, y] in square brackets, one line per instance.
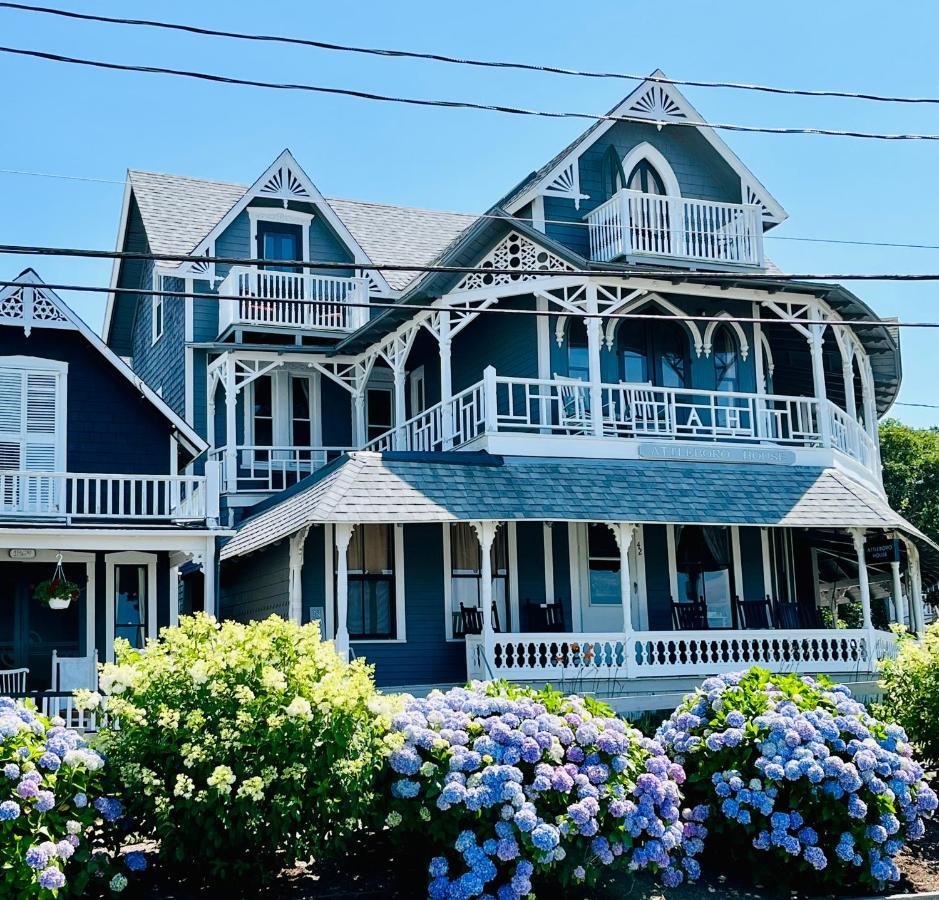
[418, 391]
[285, 216]
[27, 365]
[132, 558]
[282, 408]
[157, 315]
[735, 560]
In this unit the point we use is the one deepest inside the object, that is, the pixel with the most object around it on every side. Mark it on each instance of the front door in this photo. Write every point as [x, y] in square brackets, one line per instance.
[29, 630]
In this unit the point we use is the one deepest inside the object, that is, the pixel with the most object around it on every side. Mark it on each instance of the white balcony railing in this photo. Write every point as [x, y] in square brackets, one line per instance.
[265, 469]
[499, 405]
[149, 498]
[632, 223]
[552, 656]
[251, 296]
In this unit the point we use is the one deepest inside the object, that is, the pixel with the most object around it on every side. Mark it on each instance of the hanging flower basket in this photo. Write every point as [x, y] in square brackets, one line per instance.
[57, 592]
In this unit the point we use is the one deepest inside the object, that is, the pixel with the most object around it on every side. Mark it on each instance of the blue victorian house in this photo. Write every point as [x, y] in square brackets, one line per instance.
[620, 448]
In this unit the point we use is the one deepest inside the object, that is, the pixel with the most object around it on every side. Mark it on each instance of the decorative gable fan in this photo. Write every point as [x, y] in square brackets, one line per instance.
[752, 196]
[284, 184]
[657, 103]
[567, 184]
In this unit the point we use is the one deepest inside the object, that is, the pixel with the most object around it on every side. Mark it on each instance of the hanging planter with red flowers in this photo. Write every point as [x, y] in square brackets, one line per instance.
[57, 592]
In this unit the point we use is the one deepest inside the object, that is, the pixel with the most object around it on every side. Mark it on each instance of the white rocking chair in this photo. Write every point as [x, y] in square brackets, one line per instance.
[573, 405]
[13, 681]
[70, 674]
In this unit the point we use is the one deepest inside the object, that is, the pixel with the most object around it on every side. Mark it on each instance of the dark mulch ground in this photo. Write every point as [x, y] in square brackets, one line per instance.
[371, 870]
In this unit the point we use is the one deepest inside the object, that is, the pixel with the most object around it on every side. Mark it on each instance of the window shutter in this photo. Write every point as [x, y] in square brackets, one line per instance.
[11, 418]
[41, 407]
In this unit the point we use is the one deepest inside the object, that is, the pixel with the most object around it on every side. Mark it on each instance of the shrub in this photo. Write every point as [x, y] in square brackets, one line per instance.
[911, 691]
[55, 818]
[509, 787]
[242, 748]
[793, 768]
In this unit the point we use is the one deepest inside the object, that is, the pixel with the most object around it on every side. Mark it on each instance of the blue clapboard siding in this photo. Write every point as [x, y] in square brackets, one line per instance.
[700, 171]
[256, 586]
[751, 561]
[132, 275]
[161, 364]
[336, 407]
[312, 577]
[658, 586]
[427, 657]
[111, 428]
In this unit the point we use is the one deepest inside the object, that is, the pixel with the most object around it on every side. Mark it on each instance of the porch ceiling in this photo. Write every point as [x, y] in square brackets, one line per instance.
[442, 487]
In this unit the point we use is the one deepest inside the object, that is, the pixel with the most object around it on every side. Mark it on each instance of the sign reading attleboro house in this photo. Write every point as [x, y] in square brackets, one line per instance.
[882, 551]
[711, 453]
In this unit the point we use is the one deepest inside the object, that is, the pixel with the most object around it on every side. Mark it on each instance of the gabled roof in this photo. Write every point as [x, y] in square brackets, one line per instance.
[449, 487]
[657, 103]
[57, 314]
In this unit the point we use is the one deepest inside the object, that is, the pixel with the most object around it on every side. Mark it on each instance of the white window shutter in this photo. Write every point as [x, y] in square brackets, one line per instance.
[11, 418]
[40, 426]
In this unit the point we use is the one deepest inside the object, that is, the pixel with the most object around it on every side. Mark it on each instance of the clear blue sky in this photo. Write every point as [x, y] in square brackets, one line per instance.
[96, 124]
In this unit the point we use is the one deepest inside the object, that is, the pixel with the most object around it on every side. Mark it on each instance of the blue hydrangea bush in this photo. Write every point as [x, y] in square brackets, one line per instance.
[509, 788]
[798, 779]
[58, 826]
[242, 748]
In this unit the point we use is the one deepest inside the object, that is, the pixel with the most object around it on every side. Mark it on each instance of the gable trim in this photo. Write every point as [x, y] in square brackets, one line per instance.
[657, 103]
[28, 278]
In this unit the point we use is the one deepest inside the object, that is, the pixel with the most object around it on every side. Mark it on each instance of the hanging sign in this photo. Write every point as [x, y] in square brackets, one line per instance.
[882, 551]
[21, 553]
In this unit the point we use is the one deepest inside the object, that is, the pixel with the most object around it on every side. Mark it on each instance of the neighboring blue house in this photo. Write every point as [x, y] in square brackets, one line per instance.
[91, 479]
[544, 495]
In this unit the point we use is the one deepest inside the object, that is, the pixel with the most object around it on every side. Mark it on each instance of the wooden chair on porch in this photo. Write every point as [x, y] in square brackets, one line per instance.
[70, 674]
[573, 405]
[691, 615]
[471, 619]
[793, 615]
[754, 613]
[13, 681]
[545, 616]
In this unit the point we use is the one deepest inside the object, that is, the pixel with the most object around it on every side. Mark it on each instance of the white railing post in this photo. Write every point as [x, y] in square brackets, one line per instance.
[211, 488]
[625, 240]
[594, 341]
[490, 400]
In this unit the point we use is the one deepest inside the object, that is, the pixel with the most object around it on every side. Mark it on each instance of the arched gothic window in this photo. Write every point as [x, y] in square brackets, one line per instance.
[726, 360]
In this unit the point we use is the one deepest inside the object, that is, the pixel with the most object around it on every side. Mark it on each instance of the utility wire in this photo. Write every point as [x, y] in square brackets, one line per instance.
[453, 104]
[665, 274]
[507, 217]
[459, 60]
[416, 307]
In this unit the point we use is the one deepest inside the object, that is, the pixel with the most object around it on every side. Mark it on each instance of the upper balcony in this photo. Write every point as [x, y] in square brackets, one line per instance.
[292, 300]
[676, 229]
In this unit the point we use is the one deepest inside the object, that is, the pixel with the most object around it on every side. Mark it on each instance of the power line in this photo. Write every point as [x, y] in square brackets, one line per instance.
[919, 405]
[453, 104]
[674, 275]
[463, 61]
[507, 217]
[416, 307]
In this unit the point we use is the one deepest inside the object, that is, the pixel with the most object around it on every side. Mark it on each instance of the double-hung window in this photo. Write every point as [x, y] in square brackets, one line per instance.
[32, 431]
[159, 322]
[371, 596]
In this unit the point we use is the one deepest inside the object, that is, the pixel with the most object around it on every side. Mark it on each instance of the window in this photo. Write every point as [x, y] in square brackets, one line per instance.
[645, 178]
[371, 598]
[782, 569]
[280, 240]
[158, 318]
[603, 566]
[633, 352]
[130, 603]
[379, 411]
[301, 411]
[704, 570]
[418, 391]
[672, 351]
[262, 411]
[465, 568]
[32, 427]
[578, 359]
[726, 360]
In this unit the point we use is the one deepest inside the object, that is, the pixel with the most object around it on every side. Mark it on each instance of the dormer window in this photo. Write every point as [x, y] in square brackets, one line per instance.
[280, 234]
[645, 178]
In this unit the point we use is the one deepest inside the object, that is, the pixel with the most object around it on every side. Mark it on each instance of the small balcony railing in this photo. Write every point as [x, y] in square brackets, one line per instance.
[249, 468]
[560, 406]
[632, 223]
[300, 300]
[144, 498]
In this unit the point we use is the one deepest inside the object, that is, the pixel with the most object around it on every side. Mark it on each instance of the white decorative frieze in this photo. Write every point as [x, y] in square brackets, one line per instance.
[513, 252]
[28, 306]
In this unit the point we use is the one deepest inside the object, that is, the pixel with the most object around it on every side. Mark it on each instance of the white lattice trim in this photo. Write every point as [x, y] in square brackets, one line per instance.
[28, 306]
[514, 251]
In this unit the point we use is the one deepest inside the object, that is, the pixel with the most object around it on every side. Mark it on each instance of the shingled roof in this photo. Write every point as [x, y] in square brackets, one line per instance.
[436, 487]
[178, 212]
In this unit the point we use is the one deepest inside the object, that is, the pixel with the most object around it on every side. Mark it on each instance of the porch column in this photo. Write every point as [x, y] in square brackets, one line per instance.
[485, 534]
[209, 569]
[343, 535]
[360, 429]
[400, 440]
[759, 372]
[624, 532]
[295, 585]
[917, 619]
[231, 433]
[594, 342]
[858, 535]
[446, 381]
[847, 373]
[898, 604]
[816, 341]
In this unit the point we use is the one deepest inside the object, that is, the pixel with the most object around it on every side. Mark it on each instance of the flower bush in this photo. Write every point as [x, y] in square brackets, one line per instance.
[796, 770]
[911, 691]
[242, 748]
[508, 787]
[57, 824]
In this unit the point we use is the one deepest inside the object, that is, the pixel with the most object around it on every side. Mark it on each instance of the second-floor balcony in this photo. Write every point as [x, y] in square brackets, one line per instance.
[575, 409]
[265, 469]
[292, 300]
[635, 224]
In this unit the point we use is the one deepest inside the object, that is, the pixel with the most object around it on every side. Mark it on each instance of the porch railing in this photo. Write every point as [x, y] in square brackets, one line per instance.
[251, 296]
[62, 705]
[261, 468]
[68, 495]
[536, 656]
[634, 223]
[501, 405]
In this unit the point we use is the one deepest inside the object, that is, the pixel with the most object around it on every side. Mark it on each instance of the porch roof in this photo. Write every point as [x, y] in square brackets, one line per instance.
[446, 487]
